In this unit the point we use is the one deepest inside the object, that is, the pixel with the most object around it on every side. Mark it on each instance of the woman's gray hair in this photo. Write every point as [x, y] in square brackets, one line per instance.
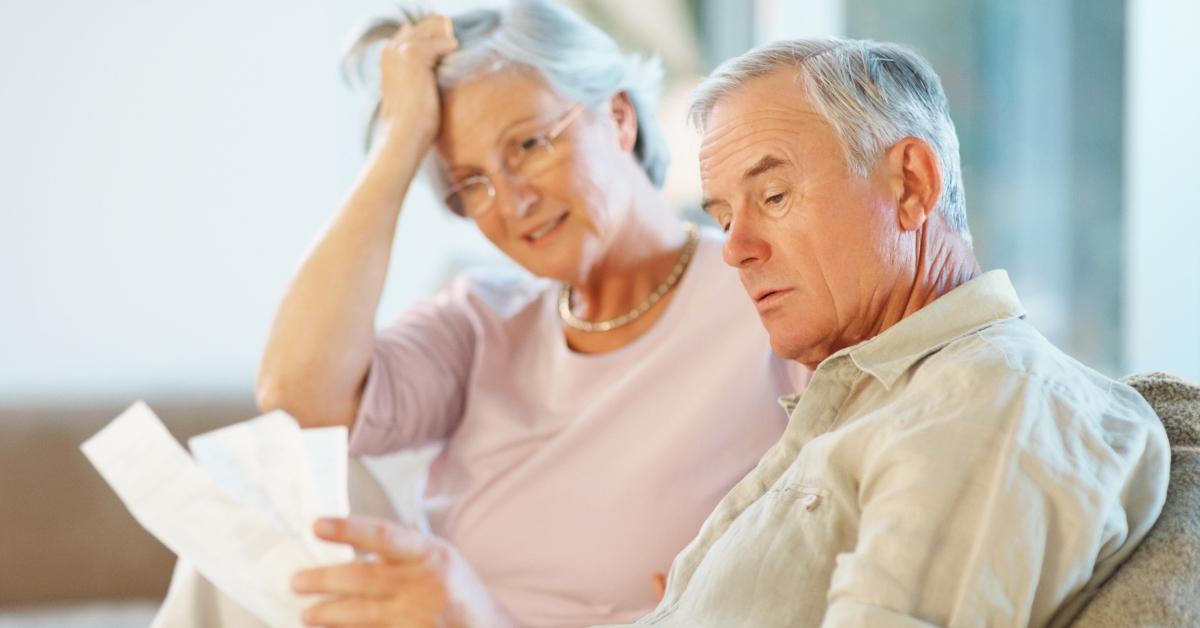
[872, 93]
[577, 60]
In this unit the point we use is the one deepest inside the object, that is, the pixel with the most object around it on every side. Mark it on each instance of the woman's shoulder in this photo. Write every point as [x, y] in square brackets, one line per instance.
[501, 291]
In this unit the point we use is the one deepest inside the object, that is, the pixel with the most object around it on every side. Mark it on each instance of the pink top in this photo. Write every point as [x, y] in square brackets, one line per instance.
[569, 480]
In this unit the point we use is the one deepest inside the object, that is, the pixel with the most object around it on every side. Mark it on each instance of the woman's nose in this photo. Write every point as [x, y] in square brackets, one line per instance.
[515, 199]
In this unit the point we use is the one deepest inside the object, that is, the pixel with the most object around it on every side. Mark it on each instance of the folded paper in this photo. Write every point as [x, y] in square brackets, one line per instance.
[241, 512]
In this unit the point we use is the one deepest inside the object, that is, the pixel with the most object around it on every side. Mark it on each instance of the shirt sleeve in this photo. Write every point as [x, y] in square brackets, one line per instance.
[416, 385]
[987, 511]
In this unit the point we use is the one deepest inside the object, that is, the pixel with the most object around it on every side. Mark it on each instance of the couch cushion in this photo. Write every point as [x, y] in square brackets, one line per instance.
[64, 534]
[1160, 583]
[1177, 403]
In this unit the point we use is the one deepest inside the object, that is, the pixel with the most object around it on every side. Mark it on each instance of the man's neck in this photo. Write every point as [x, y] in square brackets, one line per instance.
[942, 265]
[944, 261]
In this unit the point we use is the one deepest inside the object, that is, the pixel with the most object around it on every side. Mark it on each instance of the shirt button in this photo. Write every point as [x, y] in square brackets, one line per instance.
[811, 501]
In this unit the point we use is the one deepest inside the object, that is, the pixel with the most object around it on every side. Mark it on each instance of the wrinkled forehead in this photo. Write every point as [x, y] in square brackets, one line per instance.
[479, 112]
[767, 115]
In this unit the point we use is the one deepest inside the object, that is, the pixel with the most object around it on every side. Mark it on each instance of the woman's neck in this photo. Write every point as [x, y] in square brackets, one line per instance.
[642, 251]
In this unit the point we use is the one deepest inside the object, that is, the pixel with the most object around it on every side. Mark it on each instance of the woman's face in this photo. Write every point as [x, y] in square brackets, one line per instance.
[558, 221]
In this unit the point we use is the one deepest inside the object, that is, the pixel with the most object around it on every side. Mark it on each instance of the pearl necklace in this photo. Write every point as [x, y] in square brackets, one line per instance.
[574, 322]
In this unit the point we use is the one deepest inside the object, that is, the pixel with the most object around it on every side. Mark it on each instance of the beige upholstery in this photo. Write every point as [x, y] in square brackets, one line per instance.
[64, 534]
[1160, 583]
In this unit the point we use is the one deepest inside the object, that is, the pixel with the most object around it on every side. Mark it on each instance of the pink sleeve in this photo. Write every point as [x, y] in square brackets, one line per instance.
[417, 380]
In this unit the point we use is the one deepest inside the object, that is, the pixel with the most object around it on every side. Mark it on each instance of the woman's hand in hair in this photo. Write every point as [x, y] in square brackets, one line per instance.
[409, 103]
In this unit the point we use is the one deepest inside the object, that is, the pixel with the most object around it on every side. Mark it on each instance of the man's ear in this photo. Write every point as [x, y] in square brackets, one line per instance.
[917, 181]
[624, 118]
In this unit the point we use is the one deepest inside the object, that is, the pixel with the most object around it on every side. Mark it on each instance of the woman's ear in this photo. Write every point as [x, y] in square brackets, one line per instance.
[624, 117]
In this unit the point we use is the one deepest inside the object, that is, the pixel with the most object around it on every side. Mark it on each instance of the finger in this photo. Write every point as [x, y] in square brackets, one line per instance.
[443, 46]
[359, 578]
[402, 33]
[416, 605]
[436, 31]
[434, 26]
[389, 540]
[429, 50]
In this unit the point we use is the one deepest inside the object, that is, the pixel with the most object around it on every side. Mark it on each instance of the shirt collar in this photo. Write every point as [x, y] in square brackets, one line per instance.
[976, 304]
[789, 402]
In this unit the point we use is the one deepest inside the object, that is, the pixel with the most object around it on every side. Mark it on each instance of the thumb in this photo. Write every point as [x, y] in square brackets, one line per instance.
[390, 540]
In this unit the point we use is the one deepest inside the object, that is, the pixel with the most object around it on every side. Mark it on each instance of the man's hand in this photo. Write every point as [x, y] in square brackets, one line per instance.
[406, 579]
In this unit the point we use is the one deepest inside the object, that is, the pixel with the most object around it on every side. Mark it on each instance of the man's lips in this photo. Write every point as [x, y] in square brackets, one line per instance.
[767, 293]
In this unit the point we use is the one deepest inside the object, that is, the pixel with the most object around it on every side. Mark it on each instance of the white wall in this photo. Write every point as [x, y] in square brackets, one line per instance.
[163, 167]
[1162, 228]
[786, 19]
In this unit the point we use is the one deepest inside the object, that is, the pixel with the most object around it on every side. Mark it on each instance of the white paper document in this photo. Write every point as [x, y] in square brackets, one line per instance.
[241, 512]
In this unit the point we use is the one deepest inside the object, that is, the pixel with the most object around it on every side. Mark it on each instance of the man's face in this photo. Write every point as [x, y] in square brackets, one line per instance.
[818, 249]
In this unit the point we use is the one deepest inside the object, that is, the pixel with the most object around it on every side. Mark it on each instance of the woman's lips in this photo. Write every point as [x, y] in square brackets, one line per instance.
[544, 230]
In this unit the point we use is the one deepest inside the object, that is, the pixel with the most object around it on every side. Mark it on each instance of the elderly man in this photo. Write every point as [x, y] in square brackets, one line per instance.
[947, 464]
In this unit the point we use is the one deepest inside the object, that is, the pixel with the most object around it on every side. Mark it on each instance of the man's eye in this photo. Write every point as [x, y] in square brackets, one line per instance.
[529, 144]
[774, 199]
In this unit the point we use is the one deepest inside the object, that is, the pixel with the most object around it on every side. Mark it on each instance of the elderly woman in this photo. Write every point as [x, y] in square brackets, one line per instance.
[594, 409]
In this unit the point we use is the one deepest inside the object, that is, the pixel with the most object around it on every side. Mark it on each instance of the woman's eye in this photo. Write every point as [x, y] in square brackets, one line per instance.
[529, 144]
[774, 199]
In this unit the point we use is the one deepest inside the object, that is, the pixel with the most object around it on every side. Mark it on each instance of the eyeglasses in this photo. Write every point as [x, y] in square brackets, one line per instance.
[523, 158]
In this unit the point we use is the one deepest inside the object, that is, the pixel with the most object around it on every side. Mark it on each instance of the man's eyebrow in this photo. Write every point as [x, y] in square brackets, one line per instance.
[769, 162]
[766, 163]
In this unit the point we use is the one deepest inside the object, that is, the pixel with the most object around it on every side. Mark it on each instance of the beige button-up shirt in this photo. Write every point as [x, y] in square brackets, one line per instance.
[955, 470]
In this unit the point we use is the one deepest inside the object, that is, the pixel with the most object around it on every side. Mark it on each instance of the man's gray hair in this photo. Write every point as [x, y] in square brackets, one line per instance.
[577, 60]
[873, 94]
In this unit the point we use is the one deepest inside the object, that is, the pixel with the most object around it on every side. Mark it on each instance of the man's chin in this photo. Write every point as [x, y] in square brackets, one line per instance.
[790, 347]
[785, 348]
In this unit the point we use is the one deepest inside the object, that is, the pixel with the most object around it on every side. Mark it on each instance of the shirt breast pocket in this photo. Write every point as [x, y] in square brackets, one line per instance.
[777, 554]
[809, 498]
[794, 521]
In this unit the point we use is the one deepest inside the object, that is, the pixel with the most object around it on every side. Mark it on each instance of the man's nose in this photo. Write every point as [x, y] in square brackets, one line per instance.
[744, 245]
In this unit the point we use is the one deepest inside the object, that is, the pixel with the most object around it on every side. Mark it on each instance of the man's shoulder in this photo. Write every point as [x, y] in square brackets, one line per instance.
[1010, 363]
[1007, 349]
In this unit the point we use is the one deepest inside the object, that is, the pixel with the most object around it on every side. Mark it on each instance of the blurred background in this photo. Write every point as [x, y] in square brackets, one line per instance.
[165, 165]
